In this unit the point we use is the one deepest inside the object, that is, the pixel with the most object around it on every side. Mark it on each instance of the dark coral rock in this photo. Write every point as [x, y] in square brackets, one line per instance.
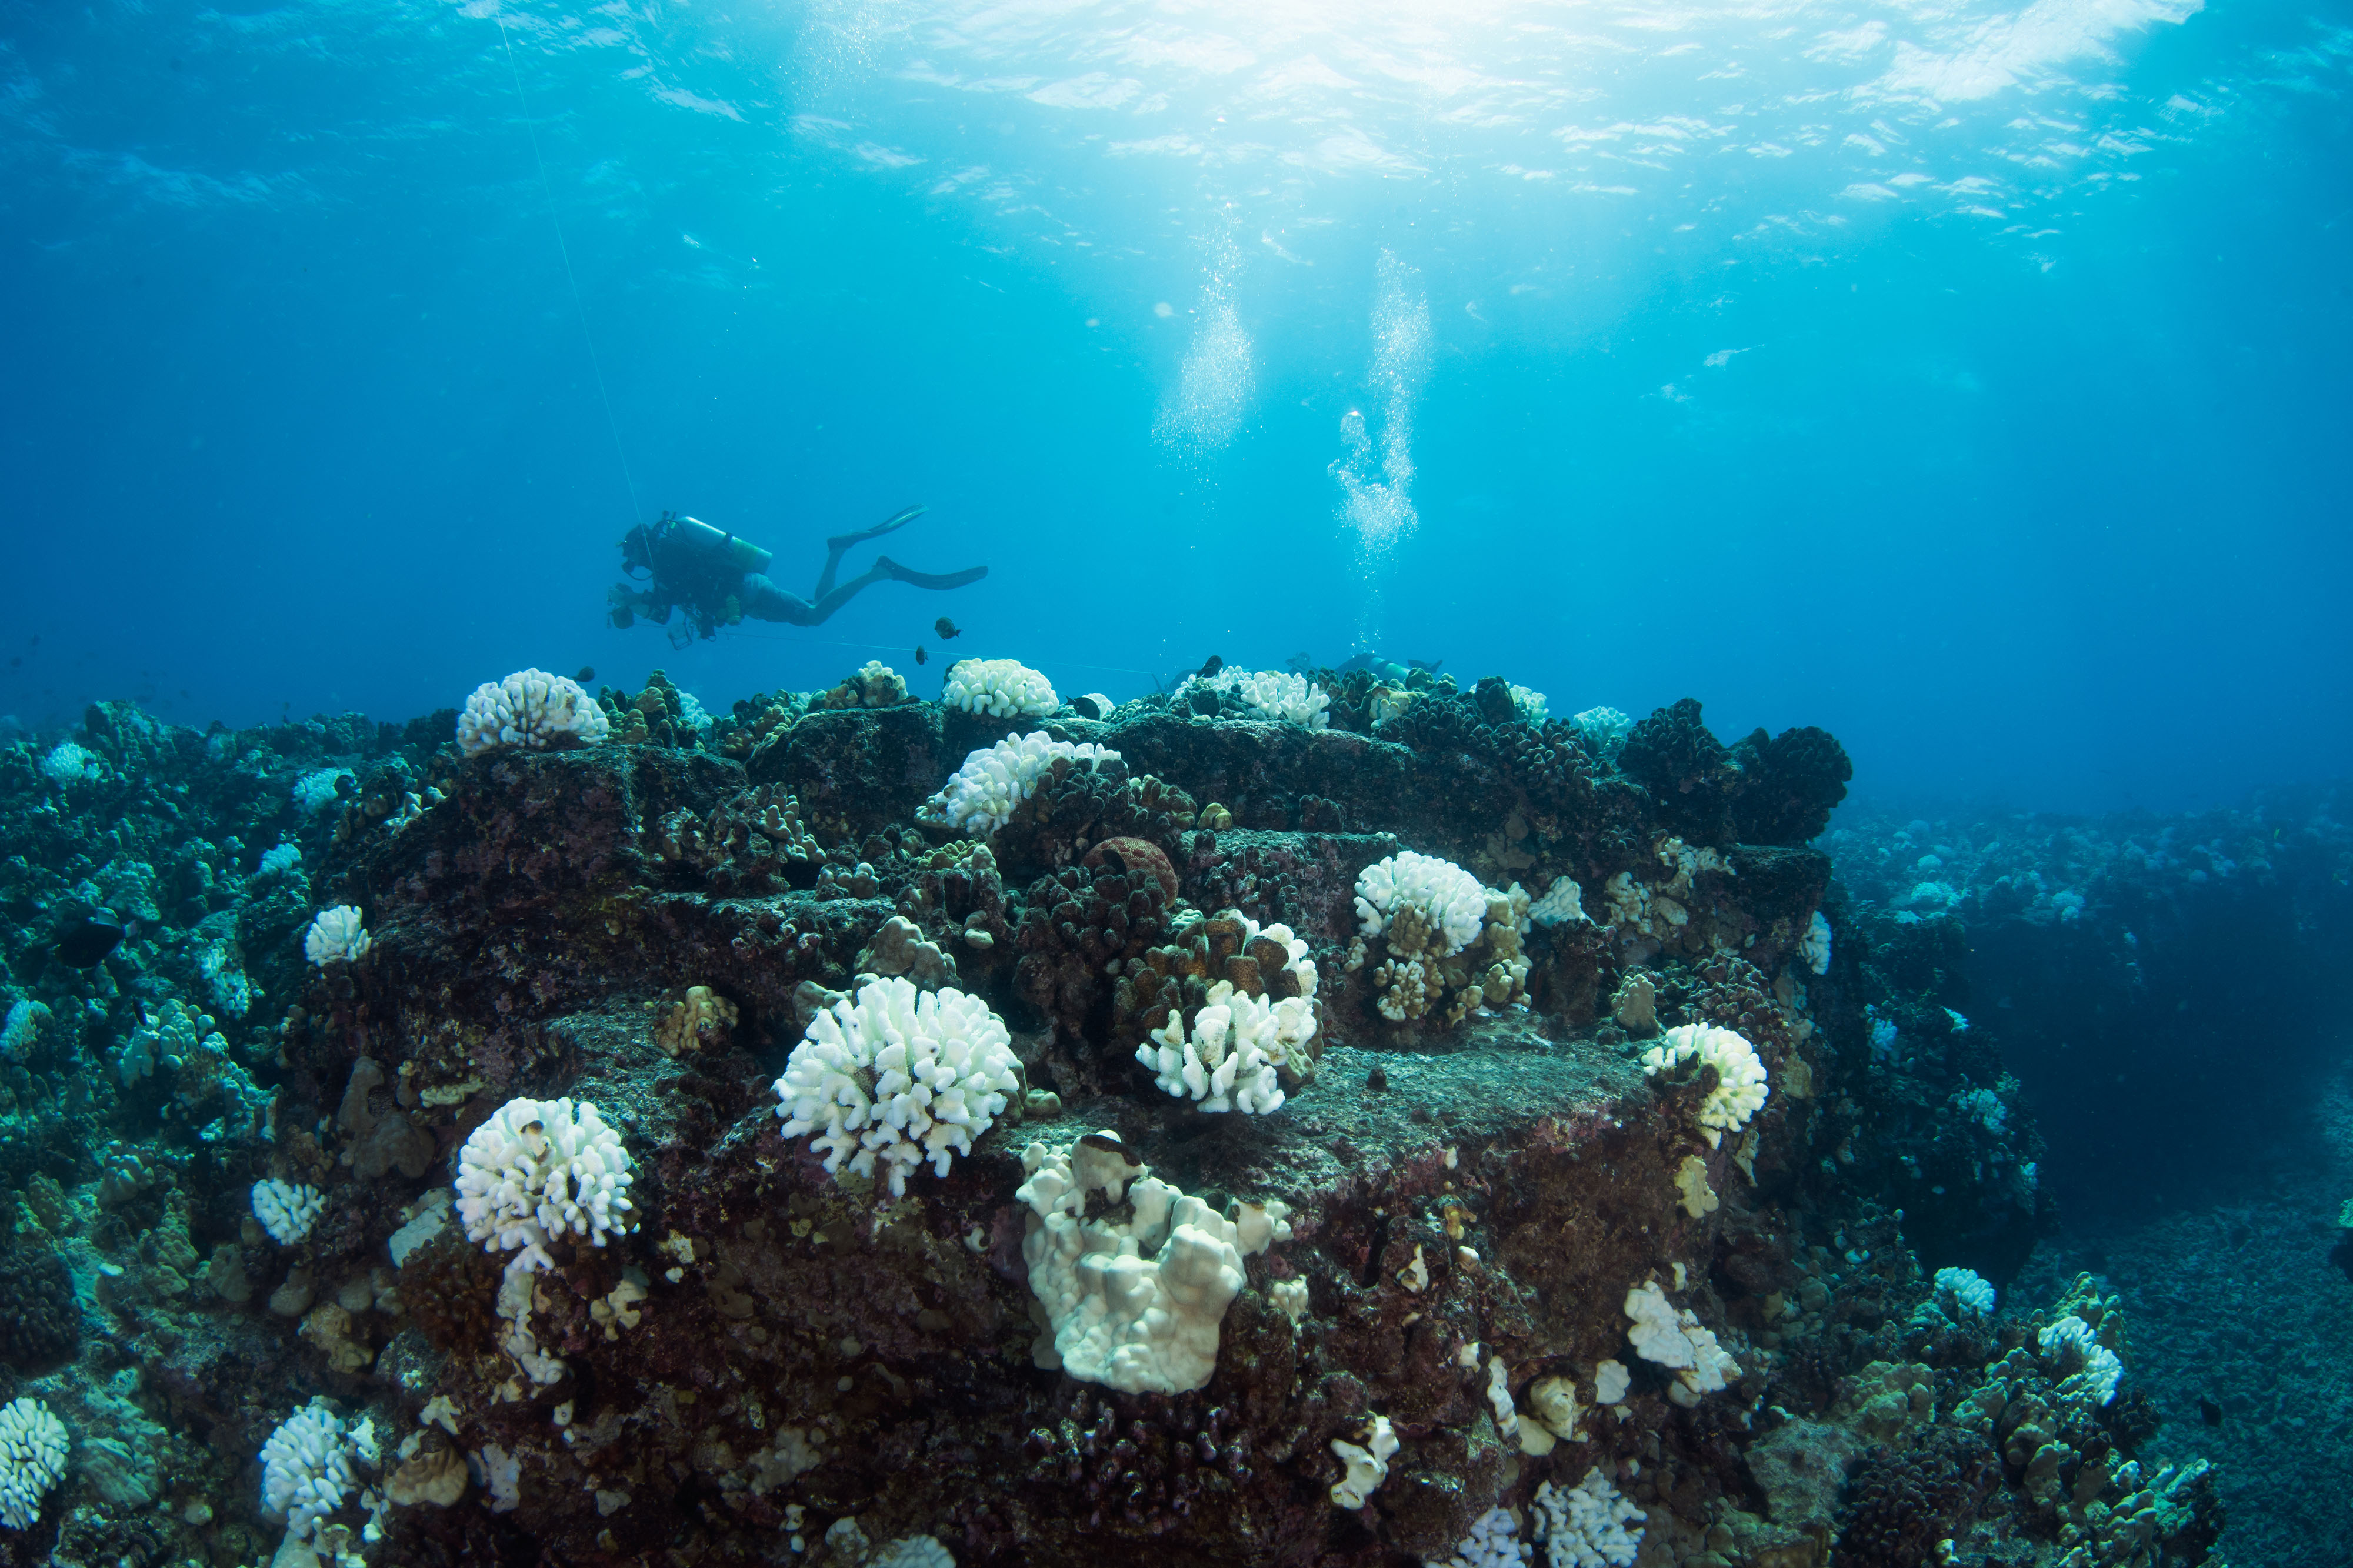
[40, 1322]
[1686, 769]
[1900, 1505]
[1790, 783]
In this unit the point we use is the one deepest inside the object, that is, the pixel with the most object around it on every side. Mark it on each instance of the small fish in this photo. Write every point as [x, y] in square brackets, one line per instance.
[588, 673]
[1211, 669]
[947, 629]
[921, 656]
[84, 944]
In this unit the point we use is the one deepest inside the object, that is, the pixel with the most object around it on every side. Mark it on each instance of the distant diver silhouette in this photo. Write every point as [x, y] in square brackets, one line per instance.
[717, 579]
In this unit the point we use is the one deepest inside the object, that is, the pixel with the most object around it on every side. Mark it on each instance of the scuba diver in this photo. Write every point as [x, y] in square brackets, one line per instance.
[718, 578]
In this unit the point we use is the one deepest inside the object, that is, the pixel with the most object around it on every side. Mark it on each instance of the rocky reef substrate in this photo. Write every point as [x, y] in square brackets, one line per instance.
[1515, 1265]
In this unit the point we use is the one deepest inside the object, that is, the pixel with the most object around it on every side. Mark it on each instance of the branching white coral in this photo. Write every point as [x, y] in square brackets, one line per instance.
[1531, 704]
[994, 781]
[1563, 904]
[1677, 1340]
[1449, 898]
[1369, 1465]
[1493, 1542]
[336, 936]
[538, 1169]
[2083, 1361]
[306, 1465]
[1239, 1046]
[1134, 1304]
[872, 685]
[531, 710]
[898, 1076]
[1585, 1527]
[1003, 688]
[32, 1447]
[287, 1210]
[1814, 947]
[1963, 1293]
[1270, 694]
[1740, 1087]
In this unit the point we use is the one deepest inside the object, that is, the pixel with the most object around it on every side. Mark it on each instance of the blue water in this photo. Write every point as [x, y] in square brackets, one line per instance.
[1968, 379]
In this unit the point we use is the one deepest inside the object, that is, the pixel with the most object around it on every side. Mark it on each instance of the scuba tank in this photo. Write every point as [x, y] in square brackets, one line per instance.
[700, 537]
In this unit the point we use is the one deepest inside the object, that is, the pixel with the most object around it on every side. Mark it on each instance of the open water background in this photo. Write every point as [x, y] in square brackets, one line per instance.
[1967, 378]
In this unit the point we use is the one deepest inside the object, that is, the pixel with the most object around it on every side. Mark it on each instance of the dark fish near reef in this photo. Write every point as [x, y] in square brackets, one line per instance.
[84, 944]
[1211, 669]
[921, 656]
[588, 673]
[947, 629]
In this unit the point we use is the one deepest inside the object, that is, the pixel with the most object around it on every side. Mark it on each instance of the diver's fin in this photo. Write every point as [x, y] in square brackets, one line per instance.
[899, 574]
[889, 524]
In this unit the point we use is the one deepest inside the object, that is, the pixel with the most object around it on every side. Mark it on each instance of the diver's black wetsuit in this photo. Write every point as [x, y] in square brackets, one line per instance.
[718, 578]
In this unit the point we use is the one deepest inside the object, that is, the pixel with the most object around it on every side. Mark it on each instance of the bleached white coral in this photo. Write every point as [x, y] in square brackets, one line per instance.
[1963, 1293]
[872, 685]
[1270, 694]
[1677, 1340]
[1740, 1082]
[1814, 947]
[1241, 1045]
[336, 936]
[22, 1028]
[1003, 688]
[1604, 729]
[1234, 1056]
[1585, 1527]
[542, 1168]
[533, 709]
[1563, 904]
[1134, 1304]
[913, 1551]
[287, 1210]
[316, 789]
[1369, 1465]
[2084, 1362]
[1449, 898]
[69, 763]
[1531, 704]
[900, 1076]
[306, 1465]
[994, 781]
[1493, 1542]
[175, 1034]
[33, 1445]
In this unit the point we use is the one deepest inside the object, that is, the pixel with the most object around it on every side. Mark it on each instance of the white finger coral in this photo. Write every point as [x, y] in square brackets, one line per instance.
[898, 1076]
[1134, 1304]
[1677, 1340]
[287, 1210]
[1448, 898]
[1270, 694]
[306, 1465]
[540, 1168]
[33, 1445]
[1814, 947]
[994, 781]
[1002, 687]
[1585, 1527]
[1234, 1057]
[531, 709]
[336, 936]
[1740, 1082]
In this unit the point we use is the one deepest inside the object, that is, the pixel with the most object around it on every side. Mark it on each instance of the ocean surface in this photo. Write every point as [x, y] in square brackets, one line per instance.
[1968, 379]
[1965, 378]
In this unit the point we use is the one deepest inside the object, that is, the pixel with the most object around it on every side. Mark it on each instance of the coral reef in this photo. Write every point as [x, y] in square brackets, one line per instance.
[1452, 1275]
